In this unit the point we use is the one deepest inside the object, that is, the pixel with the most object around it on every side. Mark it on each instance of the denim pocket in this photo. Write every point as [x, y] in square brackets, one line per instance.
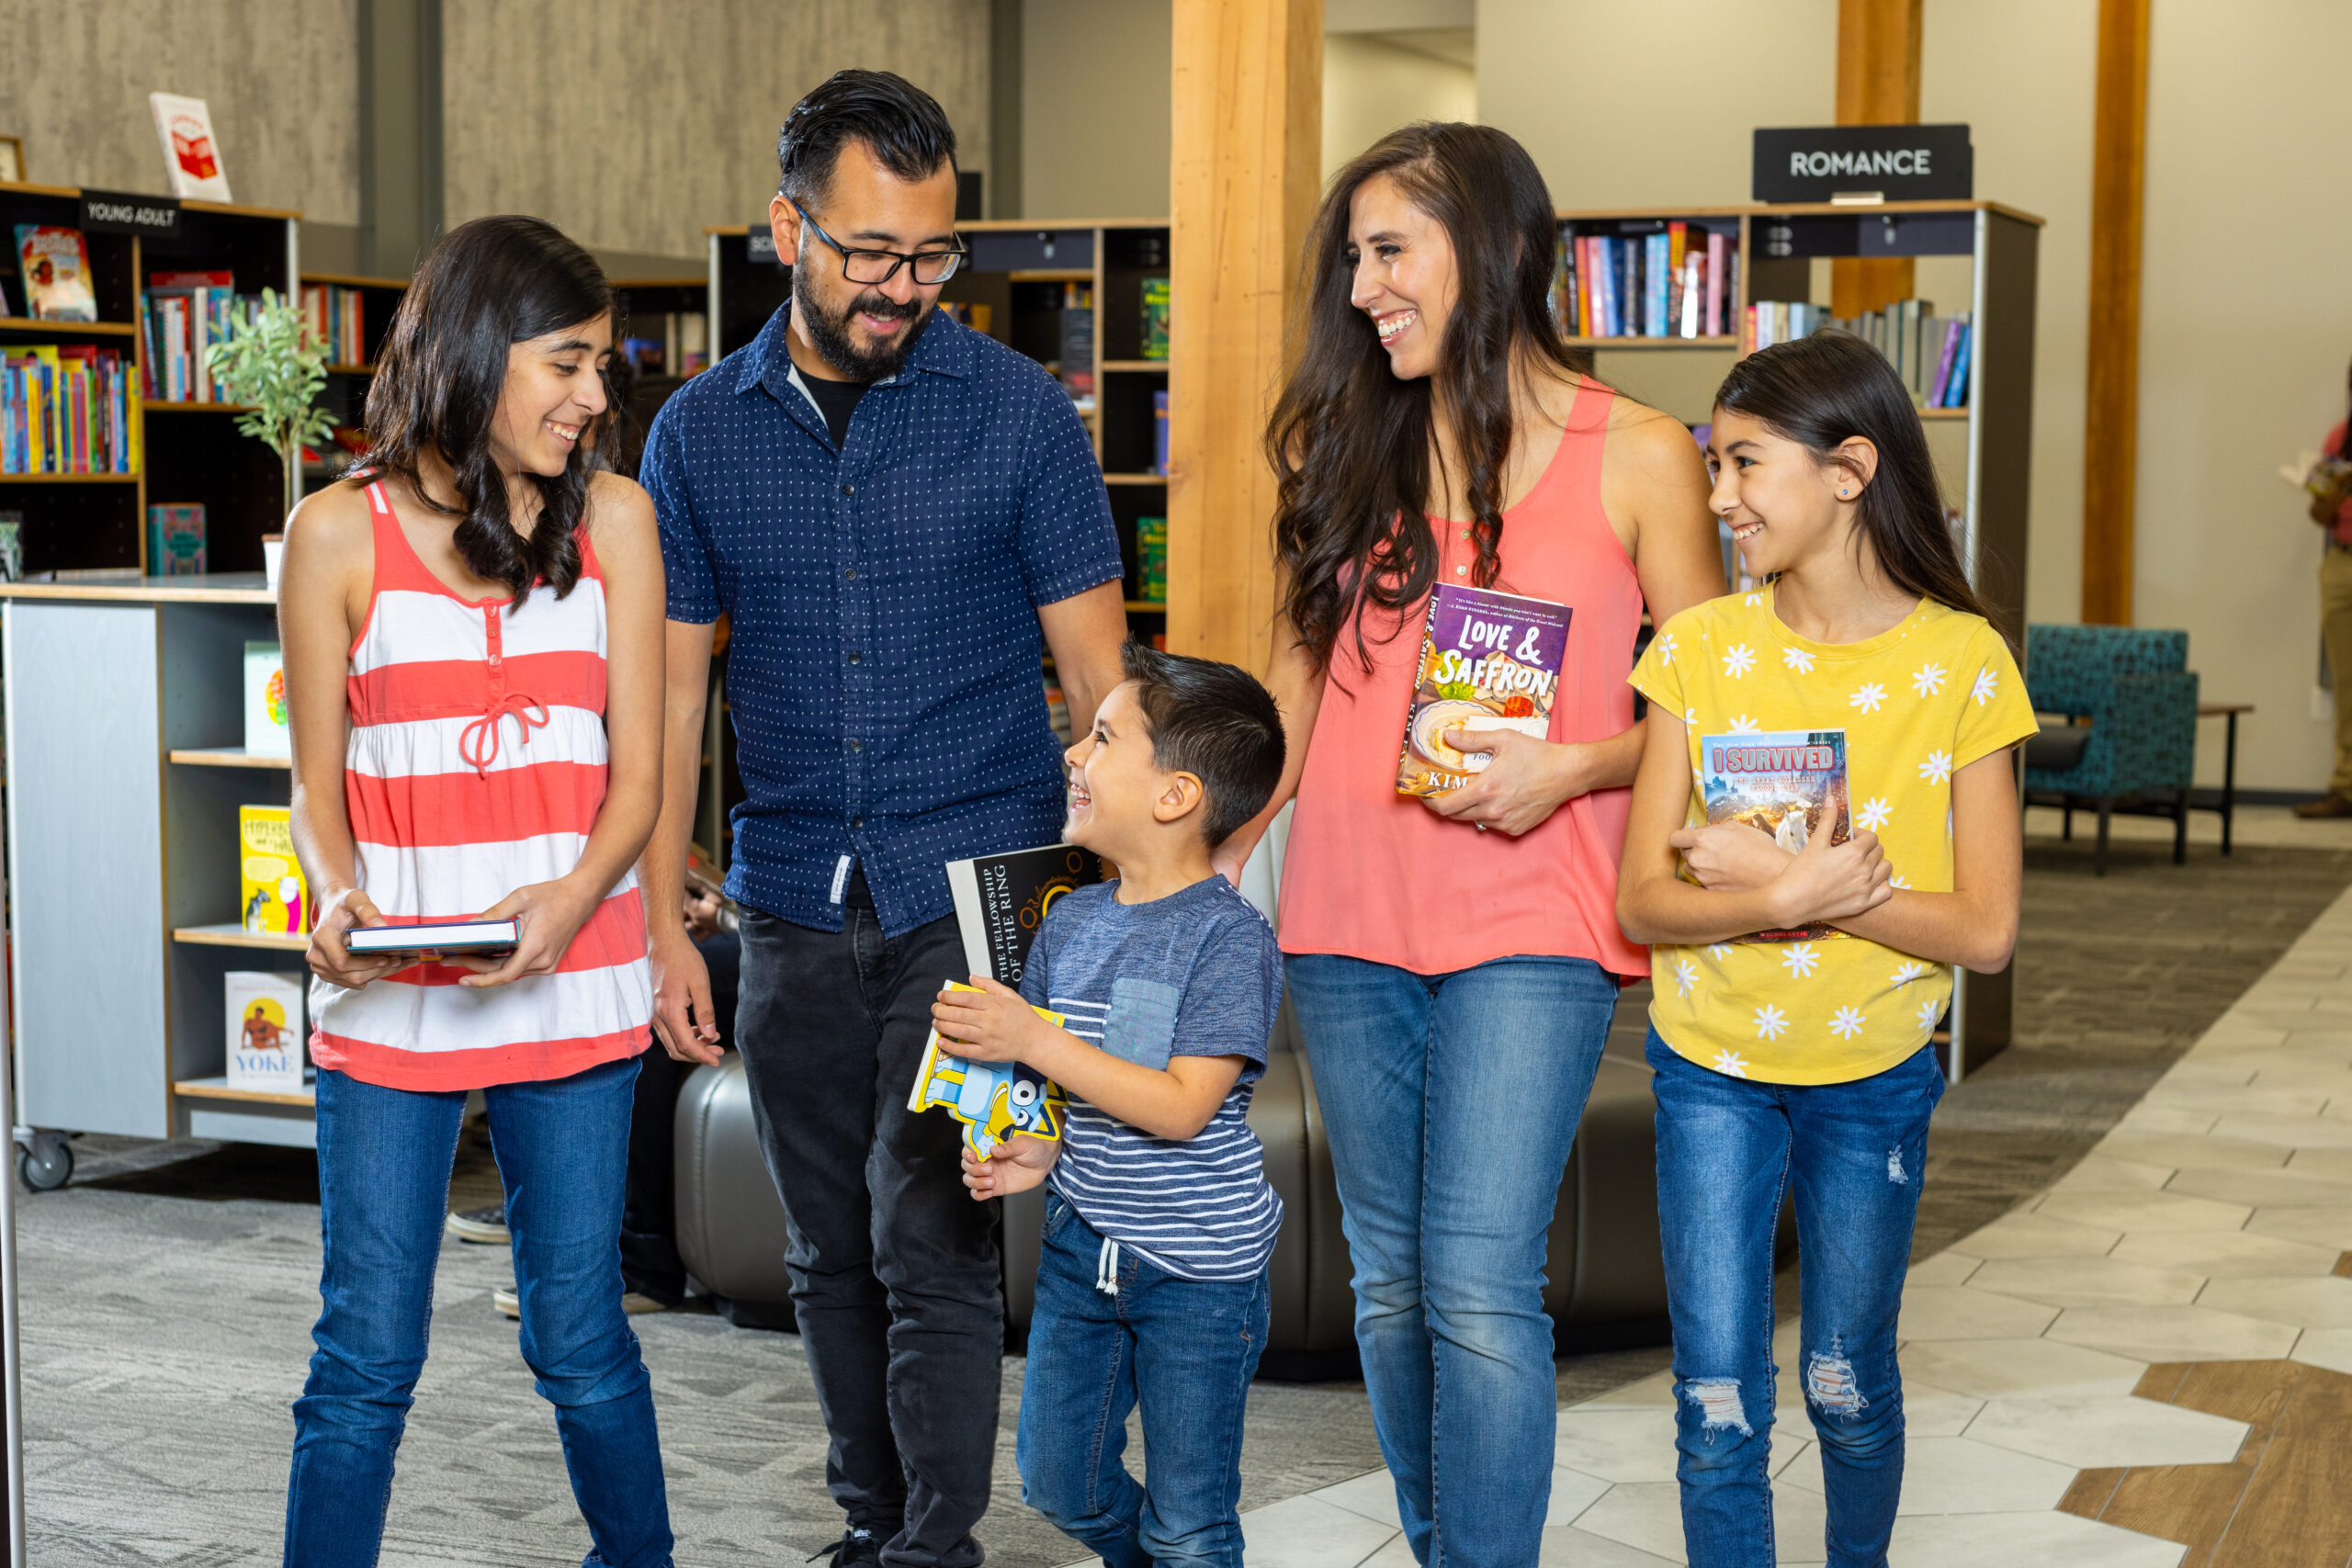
[1141, 1025]
[1057, 1211]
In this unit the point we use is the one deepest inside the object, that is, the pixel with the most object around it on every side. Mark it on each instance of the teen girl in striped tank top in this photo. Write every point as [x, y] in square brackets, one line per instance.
[473, 655]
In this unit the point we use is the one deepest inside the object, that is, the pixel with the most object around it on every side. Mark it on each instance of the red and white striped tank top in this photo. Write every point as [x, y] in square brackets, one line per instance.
[476, 766]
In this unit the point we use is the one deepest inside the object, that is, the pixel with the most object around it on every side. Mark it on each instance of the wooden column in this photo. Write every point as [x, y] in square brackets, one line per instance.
[2112, 399]
[1248, 92]
[1878, 84]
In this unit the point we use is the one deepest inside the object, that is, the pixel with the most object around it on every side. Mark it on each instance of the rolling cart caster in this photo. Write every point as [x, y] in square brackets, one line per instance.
[44, 1160]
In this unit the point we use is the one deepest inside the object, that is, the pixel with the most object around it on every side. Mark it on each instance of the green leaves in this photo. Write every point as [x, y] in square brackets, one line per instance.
[272, 363]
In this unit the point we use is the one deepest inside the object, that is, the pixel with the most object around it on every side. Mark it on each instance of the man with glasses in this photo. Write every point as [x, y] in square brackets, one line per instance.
[899, 516]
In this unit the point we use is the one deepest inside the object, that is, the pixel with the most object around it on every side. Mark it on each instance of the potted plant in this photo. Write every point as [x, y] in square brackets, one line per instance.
[271, 363]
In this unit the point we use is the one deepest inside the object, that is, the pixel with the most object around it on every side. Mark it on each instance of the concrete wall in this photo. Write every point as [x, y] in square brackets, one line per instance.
[1371, 87]
[278, 75]
[634, 123]
[1096, 107]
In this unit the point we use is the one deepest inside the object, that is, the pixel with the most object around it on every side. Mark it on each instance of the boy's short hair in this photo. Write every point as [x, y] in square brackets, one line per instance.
[1216, 722]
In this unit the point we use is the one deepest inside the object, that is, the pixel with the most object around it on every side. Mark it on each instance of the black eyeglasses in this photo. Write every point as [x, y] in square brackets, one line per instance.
[881, 266]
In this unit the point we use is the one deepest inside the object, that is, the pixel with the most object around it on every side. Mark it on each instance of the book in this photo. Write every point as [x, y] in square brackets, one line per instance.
[271, 890]
[176, 541]
[434, 938]
[1160, 431]
[1718, 247]
[1001, 901]
[1489, 660]
[1151, 559]
[191, 154]
[1155, 318]
[53, 268]
[12, 546]
[1789, 784]
[266, 734]
[264, 1044]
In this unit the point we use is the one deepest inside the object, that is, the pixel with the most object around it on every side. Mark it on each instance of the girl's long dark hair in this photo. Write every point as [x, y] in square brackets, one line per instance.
[487, 286]
[1821, 391]
[1349, 443]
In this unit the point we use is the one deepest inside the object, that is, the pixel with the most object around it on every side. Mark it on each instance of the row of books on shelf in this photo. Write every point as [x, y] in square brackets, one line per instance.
[1675, 282]
[184, 315]
[1932, 353]
[682, 350]
[65, 409]
[337, 318]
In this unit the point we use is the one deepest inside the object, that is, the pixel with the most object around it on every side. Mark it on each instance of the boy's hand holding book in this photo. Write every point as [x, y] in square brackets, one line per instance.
[1018, 1164]
[991, 1023]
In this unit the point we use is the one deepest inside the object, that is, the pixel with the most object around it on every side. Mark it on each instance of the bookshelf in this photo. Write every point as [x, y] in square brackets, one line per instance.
[1976, 255]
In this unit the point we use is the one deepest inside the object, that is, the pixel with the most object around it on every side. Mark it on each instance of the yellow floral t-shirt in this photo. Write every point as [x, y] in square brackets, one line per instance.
[1917, 703]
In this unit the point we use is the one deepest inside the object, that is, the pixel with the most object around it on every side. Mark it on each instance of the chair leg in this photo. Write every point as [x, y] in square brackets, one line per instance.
[2066, 822]
[2099, 857]
[2180, 830]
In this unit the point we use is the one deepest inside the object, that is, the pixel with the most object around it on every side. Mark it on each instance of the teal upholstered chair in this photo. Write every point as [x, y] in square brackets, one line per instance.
[2138, 750]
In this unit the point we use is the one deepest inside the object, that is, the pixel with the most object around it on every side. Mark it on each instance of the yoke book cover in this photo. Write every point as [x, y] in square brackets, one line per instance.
[1489, 660]
[1789, 784]
[1000, 900]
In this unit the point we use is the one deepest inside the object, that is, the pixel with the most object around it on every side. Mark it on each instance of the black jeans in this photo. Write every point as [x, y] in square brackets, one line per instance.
[650, 1260]
[895, 1278]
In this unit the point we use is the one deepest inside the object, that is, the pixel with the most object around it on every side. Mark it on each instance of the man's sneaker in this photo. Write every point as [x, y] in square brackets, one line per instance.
[488, 1225]
[506, 1300]
[856, 1549]
[2329, 805]
[636, 1301]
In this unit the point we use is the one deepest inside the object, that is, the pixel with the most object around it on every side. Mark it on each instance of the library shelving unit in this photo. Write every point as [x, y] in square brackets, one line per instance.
[347, 380]
[1979, 255]
[1018, 272]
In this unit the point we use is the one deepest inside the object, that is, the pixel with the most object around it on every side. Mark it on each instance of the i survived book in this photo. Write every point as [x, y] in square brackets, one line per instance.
[1489, 660]
[1790, 783]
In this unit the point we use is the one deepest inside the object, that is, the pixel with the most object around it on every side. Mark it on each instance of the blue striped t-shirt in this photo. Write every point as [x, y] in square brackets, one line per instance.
[1195, 974]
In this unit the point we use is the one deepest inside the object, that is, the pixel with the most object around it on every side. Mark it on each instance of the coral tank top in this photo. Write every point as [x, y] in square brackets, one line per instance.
[1373, 874]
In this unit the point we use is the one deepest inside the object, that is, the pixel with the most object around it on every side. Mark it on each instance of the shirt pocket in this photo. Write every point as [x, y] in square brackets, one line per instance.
[1141, 1025]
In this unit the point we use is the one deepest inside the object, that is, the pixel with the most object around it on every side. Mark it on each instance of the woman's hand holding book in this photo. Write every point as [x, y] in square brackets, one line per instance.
[1524, 781]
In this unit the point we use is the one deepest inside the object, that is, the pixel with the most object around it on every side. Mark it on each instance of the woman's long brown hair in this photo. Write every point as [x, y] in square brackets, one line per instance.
[1350, 442]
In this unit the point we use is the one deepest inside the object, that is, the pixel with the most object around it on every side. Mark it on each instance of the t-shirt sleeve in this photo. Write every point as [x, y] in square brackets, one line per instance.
[1658, 674]
[1069, 543]
[1995, 712]
[1231, 995]
[686, 558]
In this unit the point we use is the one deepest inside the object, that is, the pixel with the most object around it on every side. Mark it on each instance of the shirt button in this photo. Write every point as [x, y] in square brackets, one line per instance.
[849, 489]
[1466, 533]
[857, 745]
[851, 574]
[1461, 571]
[857, 659]
[857, 821]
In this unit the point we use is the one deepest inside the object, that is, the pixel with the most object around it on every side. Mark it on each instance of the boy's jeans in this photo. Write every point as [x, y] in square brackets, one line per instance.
[1727, 1150]
[384, 1157]
[1185, 1350]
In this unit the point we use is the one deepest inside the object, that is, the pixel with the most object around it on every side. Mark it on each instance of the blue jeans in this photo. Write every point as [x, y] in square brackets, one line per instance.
[1451, 1101]
[1728, 1150]
[384, 1159]
[1185, 1350]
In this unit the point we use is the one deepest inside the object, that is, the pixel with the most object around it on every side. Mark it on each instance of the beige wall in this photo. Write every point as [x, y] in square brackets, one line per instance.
[277, 74]
[634, 123]
[1096, 111]
[1371, 87]
[2246, 328]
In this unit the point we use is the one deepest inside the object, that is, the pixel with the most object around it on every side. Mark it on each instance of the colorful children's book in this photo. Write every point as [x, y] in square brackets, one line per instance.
[266, 734]
[265, 1030]
[175, 540]
[272, 892]
[1489, 660]
[54, 266]
[1151, 559]
[993, 1100]
[1155, 318]
[1790, 783]
[191, 156]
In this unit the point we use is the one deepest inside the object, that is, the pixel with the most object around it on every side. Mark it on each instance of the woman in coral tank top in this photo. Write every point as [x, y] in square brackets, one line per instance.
[1454, 961]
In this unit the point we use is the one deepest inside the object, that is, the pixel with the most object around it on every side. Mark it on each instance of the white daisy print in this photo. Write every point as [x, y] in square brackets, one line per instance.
[1936, 768]
[1719, 951]
[1908, 972]
[1728, 1064]
[1743, 725]
[1799, 960]
[1874, 813]
[1738, 660]
[1869, 697]
[1665, 645]
[1755, 599]
[1845, 1023]
[1929, 680]
[1686, 975]
[1770, 1022]
[1894, 879]
[1798, 660]
[1986, 683]
[1928, 1013]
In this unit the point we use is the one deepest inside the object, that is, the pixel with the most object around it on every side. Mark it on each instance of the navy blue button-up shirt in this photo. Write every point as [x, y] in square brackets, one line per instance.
[884, 661]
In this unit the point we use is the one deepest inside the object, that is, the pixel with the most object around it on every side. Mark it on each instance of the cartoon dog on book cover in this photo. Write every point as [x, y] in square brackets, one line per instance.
[993, 1100]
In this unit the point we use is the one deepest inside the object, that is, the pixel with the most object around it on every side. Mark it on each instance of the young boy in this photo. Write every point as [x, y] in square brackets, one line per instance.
[1159, 1219]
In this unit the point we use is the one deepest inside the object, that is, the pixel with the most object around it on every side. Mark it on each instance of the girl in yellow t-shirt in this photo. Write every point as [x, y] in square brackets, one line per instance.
[1860, 710]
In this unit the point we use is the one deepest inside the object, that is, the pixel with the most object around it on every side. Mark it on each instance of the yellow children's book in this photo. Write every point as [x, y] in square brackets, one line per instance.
[273, 896]
[993, 1100]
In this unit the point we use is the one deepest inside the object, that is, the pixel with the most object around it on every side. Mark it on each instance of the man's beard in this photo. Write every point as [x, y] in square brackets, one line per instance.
[832, 333]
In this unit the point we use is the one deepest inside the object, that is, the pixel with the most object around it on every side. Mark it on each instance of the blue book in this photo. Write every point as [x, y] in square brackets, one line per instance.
[1656, 256]
[1956, 391]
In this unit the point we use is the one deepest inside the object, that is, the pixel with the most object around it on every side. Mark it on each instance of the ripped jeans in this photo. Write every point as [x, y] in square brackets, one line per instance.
[1851, 1153]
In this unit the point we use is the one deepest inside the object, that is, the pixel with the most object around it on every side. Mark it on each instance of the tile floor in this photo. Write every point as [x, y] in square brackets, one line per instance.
[2209, 1225]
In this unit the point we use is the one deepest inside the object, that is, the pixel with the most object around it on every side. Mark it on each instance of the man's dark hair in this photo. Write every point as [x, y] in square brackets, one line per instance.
[1216, 722]
[901, 124]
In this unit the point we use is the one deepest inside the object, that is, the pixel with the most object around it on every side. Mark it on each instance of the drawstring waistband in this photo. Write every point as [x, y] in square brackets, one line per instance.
[1106, 1268]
